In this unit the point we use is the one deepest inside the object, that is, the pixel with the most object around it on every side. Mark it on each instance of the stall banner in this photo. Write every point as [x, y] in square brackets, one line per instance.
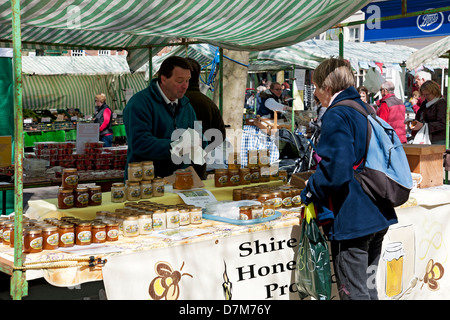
[255, 265]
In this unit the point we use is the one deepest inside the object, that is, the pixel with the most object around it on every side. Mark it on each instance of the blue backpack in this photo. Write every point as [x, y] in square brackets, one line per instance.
[384, 171]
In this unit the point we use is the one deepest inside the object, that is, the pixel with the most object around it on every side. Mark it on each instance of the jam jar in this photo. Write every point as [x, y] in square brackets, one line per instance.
[257, 212]
[95, 195]
[183, 179]
[81, 197]
[8, 228]
[118, 192]
[268, 208]
[220, 178]
[32, 240]
[237, 194]
[83, 233]
[65, 199]
[233, 177]
[69, 178]
[159, 219]
[50, 237]
[135, 172]
[112, 231]
[158, 187]
[98, 233]
[148, 170]
[245, 213]
[282, 175]
[66, 235]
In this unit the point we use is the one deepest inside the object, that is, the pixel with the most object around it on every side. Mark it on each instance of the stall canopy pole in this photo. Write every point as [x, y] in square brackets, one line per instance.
[150, 64]
[19, 286]
[341, 43]
[221, 81]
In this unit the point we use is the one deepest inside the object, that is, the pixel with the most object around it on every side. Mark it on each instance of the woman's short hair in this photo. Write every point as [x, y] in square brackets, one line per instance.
[334, 74]
[101, 97]
[432, 87]
[364, 89]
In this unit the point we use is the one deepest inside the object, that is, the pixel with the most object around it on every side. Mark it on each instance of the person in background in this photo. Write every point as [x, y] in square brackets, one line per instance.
[364, 93]
[271, 101]
[419, 79]
[392, 110]
[286, 94]
[103, 116]
[354, 224]
[154, 113]
[432, 111]
[206, 111]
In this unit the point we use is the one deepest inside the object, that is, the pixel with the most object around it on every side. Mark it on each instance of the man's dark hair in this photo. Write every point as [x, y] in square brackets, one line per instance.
[195, 71]
[167, 66]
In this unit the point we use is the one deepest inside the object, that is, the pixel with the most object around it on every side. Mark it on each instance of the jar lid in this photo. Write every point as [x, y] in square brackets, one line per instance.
[244, 169]
[33, 231]
[83, 223]
[171, 209]
[81, 189]
[157, 179]
[9, 224]
[66, 225]
[245, 208]
[69, 169]
[132, 183]
[64, 191]
[256, 207]
[134, 164]
[131, 217]
[118, 184]
[112, 224]
[159, 210]
[101, 213]
[195, 209]
[98, 225]
[143, 216]
[50, 228]
[147, 163]
[94, 187]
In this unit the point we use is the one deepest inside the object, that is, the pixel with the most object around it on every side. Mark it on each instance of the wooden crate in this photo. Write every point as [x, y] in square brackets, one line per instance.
[428, 161]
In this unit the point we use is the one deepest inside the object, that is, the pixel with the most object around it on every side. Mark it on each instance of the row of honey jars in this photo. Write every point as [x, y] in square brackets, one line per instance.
[134, 191]
[245, 176]
[253, 212]
[138, 171]
[282, 196]
[80, 197]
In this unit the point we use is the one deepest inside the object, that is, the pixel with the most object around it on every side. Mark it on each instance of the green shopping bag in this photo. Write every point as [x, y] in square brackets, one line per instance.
[313, 272]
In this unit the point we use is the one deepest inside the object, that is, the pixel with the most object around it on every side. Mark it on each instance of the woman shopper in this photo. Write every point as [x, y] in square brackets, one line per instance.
[354, 224]
[103, 116]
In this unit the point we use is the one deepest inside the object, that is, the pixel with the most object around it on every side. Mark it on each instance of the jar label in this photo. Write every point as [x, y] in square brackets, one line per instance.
[277, 202]
[174, 219]
[296, 200]
[68, 201]
[101, 235]
[146, 227]
[118, 194]
[84, 236]
[7, 236]
[243, 216]
[131, 229]
[257, 214]
[137, 174]
[287, 202]
[234, 179]
[113, 233]
[83, 198]
[160, 189]
[158, 223]
[135, 193]
[149, 173]
[36, 243]
[97, 197]
[53, 239]
[223, 179]
[67, 238]
[255, 176]
[264, 159]
[148, 191]
[71, 180]
[185, 218]
[248, 177]
[253, 159]
[196, 218]
[269, 212]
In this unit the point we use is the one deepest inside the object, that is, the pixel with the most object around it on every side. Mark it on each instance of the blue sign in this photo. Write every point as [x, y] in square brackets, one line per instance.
[428, 25]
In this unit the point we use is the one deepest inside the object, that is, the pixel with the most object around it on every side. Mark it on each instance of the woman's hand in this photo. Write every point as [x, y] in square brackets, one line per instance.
[416, 125]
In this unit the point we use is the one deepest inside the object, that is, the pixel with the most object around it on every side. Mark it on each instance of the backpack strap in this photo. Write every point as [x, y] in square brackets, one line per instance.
[365, 110]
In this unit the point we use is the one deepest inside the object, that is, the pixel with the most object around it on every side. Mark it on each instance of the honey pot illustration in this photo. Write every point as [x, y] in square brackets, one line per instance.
[393, 255]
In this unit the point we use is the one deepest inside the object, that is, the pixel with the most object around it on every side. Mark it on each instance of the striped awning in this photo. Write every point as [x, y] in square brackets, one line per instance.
[135, 25]
[435, 55]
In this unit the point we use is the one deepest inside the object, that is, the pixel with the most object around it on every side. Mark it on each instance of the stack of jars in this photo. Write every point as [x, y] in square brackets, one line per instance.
[141, 184]
[71, 194]
[143, 217]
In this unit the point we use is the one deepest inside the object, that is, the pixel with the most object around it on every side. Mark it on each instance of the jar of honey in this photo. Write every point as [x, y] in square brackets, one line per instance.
[233, 177]
[66, 235]
[268, 208]
[130, 226]
[237, 194]
[185, 216]
[220, 178]
[287, 198]
[159, 219]
[282, 175]
[296, 200]
[135, 172]
[83, 233]
[98, 233]
[253, 195]
[263, 197]
[245, 212]
[245, 176]
[65, 199]
[112, 231]
[255, 173]
[158, 187]
[263, 157]
[8, 229]
[50, 237]
[95, 195]
[148, 170]
[274, 173]
[265, 174]
[69, 178]
[183, 179]
[257, 212]
[233, 160]
[81, 197]
[252, 158]
[118, 192]
[146, 189]
[196, 215]
[173, 218]
[32, 240]
[276, 198]
[133, 191]
[145, 223]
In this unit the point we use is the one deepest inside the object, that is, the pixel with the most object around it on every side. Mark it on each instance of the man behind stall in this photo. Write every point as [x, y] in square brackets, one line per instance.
[152, 115]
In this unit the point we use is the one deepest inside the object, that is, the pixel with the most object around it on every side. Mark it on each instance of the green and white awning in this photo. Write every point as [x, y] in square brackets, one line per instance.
[135, 25]
[435, 55]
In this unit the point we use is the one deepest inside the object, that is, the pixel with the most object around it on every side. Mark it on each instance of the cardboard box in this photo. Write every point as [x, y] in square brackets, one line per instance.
[427, 160]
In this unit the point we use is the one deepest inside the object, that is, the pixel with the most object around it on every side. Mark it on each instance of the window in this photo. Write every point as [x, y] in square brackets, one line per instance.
[354, 34]
[78, 53]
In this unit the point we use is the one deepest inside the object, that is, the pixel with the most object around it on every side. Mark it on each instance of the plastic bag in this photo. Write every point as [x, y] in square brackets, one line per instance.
[313, 271]
[422, 136]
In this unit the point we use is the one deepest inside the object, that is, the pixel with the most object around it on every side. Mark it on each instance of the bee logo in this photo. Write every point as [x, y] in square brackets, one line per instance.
[166, 284]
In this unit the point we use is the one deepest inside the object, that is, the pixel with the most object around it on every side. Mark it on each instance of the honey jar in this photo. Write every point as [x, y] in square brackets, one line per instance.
[98, 233]
[253, 195]
[255, 173]
[145, 223]
[252, 158]
[233, 177]
[118, 192]
[135, 172]
[263, 157]
[196, 215]
[265, 174]
[220, 178]
[32, 240]
[274, 173]
[245, 176]
[268, 208]
[172, 218]
[112, 231]
[146, 189]
[81, 197]
[158, 187]
[66, 235]
[65, 199]
[287, 198]
[130, 226]
[133, 191]
[50, 237]
[237, 194]
[7, 230]
[69, 178]
[185, 216]
[183, 179]
[95, 195]
[296, 199]
[83, 233]
[148, 170]
[257, 212]
[282, 175]
[276, 198]
[245, 212]
[234, 161]
[159, 219]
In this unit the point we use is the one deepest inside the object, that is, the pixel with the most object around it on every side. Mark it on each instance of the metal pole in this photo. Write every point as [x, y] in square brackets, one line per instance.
[221, 81]
[341, 43]
[19, 286]
[150, 64]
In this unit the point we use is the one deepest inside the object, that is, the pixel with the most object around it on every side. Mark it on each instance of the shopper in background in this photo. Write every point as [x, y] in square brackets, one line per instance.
[392, 110]
[271, 101]
[206, 111]
[419, 79]
[356, 225]
[432, 111]
[364, 93]
[103, 116]
[152, 115]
